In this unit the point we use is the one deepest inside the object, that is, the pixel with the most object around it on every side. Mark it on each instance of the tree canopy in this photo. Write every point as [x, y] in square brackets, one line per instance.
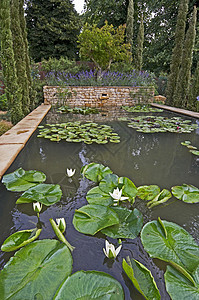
[159, 16]
[53, 27]
[103, 45]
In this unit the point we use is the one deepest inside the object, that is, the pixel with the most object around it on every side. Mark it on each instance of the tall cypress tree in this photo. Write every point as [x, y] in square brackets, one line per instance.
[26, 51]
[140, 42]
[129, 23]
[182, 87]
[13, 91]
[177, 51]
[53, 27]
[19, 55]
[193, 102]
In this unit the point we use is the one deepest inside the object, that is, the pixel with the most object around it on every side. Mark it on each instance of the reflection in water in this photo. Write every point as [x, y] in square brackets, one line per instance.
[144, 158]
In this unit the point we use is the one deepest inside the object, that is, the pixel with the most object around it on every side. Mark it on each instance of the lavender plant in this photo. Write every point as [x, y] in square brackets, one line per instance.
[88, 78]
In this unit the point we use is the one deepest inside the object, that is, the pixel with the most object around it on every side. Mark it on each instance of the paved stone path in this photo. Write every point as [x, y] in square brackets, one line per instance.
[15, 139]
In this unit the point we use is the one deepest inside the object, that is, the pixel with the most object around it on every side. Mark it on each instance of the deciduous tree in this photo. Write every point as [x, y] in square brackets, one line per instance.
[103, 46]
[53, 27]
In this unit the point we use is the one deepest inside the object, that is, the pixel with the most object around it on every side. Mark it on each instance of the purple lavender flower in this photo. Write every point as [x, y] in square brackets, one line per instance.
[197, 98]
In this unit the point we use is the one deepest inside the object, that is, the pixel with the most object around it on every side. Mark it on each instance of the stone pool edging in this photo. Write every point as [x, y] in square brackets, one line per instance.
[13, 141]
[98, 96]
[190, 113]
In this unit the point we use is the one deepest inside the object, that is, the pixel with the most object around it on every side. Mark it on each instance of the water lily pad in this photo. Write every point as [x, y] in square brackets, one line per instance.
[162, 197]
[20, 239]
[41, 265]
[186, 193]
[46, 194]
[90, 219]
[130, 224]
[148, 192]
[97, 196]
[90, 285]
[142, 279]
[128, 188]
[109, 183]
[77, 132]
[21, 180]
[179, 287]
[195, 152]
[95, 172]
[170, 242]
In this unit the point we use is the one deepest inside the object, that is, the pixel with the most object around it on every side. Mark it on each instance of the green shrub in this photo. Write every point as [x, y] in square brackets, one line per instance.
[4, 126]
[3, 102]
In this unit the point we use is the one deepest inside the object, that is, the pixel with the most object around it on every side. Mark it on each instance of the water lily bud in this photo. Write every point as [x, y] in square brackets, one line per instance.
[37, 207]
[61, 224]
[110, 250]
[70, 172]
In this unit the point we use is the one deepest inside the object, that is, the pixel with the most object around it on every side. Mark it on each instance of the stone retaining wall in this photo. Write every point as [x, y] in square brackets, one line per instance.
[97, 96]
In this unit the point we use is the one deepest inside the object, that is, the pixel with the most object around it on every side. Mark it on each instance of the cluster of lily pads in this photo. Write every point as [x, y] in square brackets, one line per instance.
[77, 110]
[79, 132]
[47, 264]
[104, 214]
[141, 108]
[151, 124]
[191, 148]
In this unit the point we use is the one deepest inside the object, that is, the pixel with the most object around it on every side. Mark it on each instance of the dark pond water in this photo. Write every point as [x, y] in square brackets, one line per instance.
[144, 158]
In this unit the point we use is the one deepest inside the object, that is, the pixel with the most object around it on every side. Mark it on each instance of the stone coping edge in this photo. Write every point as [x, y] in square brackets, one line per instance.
[13, 141]
[177, 110]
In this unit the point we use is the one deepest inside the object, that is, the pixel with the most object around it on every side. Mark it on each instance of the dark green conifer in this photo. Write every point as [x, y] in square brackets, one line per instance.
[193, 100]
[182, 87]
[177, 51]
[26, 51]
[139, 48]
[129, 23]
[13, 91]
[19, 55]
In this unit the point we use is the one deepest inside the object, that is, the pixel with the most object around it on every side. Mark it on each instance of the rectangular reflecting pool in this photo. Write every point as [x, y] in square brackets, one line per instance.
[145, 158]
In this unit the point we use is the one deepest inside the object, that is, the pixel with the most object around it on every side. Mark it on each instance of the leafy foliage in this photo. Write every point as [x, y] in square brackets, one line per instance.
[95, 172]
[44, 265]
[53, 27]
[141, 108]
[171, 243]
[150, 124]
[77, 132]
[90, 219]
[78, 110]
[90, 284]
[141, 278]
[130, 224]
[20, 239]
[46, 194]
[21, 180]
[186, 193]
[178, 286]
[13, 92]
[103, 45]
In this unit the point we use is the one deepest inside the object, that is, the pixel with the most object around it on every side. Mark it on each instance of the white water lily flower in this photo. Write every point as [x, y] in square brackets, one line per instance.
[117, 195]
[70, 172]
[110, 250]
[37, 207]
[61, 224]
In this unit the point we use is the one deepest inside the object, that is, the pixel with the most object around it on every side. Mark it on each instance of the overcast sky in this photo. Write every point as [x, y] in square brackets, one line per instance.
[78, 5]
